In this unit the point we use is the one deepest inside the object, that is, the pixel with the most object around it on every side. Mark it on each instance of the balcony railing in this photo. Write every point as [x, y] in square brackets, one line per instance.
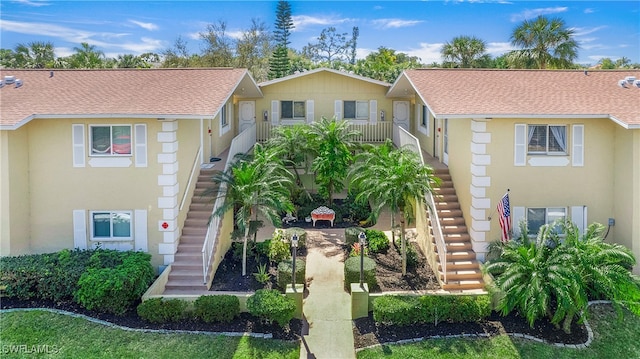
[372, 133]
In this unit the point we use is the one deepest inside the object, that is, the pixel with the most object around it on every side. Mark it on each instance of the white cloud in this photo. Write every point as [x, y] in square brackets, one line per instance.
[589, 11]
[582, 31]
[302, 21]
[529, 14]
[395, 23]
[499, 48]
[428, 53]
[145, 25]
[36, 3]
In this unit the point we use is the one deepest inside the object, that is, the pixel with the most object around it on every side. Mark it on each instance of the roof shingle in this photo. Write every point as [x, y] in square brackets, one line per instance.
[121, 92]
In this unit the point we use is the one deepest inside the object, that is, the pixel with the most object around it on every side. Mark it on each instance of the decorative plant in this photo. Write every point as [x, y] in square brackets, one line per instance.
[262, 275]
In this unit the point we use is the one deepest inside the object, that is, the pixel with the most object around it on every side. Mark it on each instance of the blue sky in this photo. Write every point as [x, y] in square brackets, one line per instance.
[419, 28]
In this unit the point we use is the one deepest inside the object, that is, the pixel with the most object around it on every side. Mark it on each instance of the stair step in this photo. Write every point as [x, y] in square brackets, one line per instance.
[191, 239]
[444, 191]
[195, 284]
[457, 237]
[187, 266]
[448, 221]
[194, 231]
[185, 275]
[189, 256]
[464, 275]
[447, 205]
[458, 246]
[460, 256]
[196, 222]
[446, 229]
[445, 198]
[444, 213]
[196, 213]
[190, 248]
[454, 285]
[444, 177]
[456, 265]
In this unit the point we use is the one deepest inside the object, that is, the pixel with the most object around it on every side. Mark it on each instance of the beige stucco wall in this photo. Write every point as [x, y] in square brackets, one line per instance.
[324, 88]
[14, 193]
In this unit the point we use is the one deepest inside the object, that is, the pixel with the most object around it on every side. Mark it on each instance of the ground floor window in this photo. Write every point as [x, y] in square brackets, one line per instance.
[537, 217]
[357, 110]
[111, 225]
[294, 110]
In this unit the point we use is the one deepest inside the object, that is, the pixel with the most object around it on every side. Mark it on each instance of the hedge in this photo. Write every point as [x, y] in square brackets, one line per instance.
[216, 308]
[284, 272]
[352, 272]
[158, 310]
[407, 310]
[377, 241]
[270, 305]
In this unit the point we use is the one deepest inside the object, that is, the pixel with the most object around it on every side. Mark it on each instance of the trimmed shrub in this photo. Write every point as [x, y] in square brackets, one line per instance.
[115, 290]
[396, 310]
[279, 248]
[351, 235]
[377, 241]
[22, 274]
[302, 235]
[284, 272]
[270, 305]
[352, 272]
[157, 310]
[216, 308]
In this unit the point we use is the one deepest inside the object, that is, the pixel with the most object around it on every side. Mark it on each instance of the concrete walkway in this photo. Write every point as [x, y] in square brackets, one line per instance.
[327, 307]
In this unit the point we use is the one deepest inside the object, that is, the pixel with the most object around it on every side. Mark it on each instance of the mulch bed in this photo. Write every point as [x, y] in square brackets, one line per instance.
[366, 332]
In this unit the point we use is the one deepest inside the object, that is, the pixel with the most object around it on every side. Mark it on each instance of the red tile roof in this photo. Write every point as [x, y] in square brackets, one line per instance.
[528, 93]
[121, 92]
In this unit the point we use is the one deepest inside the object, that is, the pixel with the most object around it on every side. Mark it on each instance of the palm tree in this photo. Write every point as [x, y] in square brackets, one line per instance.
[292, 143]
[332, 142]
[465, 51]
[34, 55]
[546, 42]
[86, 57]
[537, 277]
[394, 178]
[254, 186]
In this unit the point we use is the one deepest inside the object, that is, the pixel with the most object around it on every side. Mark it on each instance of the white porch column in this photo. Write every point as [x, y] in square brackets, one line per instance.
[168, 182]
[480, 202]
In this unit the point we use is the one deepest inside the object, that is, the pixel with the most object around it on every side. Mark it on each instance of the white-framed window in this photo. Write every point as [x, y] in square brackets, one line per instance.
[355, 110]
[293, 110]
[224, 121]
[537, 217]
[110, 225]
[110, 140]
[547, 139]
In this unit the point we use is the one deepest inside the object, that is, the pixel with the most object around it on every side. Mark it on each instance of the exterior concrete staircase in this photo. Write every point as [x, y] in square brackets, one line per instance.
[463, 269]
[186, 273]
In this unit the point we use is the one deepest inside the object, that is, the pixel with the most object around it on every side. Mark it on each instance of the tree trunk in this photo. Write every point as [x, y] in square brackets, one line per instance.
[393, 230]
[244, 252]
[403, 240]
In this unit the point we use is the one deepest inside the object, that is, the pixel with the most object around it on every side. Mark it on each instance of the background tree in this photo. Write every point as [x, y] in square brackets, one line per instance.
[546, 42]
[34, 55]
[354, 44]
[465, 52]
[279, 64]
[86, 57]
[218, 46]
[331, 46]
[292, 144]
[253, 49]
[178, 55]
[385, 64]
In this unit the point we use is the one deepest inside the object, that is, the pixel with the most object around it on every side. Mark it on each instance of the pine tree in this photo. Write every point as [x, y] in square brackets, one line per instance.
[279, 63]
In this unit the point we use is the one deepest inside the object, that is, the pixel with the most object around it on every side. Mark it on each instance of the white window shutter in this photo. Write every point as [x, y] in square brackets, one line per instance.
[373, 112]
[517, 216]
[141, 144]
[275, 113]
[140, 230]
[520, 150]
[310, 115]
[418, 113]
[577, 153]
[579, 217]
[77, 132]
[337, 109]
[79, 229]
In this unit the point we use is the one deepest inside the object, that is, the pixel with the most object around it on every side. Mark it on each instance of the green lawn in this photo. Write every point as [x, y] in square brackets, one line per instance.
[614, 338]
[60, 336]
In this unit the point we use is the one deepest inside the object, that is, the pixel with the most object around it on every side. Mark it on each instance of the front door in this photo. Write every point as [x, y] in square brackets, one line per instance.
[247, 114]
[401, 114]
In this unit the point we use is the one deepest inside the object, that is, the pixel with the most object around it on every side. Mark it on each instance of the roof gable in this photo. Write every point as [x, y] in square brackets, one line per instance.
[320, 70]
[167, 93]
[524, 93]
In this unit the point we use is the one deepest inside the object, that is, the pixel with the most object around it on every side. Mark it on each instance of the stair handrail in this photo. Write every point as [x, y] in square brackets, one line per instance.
[242, 143]
[196, 164]
[402, 137]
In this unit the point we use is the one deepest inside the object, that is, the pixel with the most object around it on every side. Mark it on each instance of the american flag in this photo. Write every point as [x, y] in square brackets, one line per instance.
[504, 210]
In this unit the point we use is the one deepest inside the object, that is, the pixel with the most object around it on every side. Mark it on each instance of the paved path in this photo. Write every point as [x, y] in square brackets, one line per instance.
[327, 308]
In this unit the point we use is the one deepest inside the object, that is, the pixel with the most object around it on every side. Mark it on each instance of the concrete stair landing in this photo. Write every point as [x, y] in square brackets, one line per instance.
[463, 269]
[186, 274]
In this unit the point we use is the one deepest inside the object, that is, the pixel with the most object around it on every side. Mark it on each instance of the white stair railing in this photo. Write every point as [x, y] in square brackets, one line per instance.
[242, 143]
[402, 137]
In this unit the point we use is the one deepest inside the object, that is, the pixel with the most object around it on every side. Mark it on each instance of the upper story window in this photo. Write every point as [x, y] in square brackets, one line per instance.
[111, 225]
[537, 217]
[357, 110]
[547, 139]
[293, 110]
[110, 140]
